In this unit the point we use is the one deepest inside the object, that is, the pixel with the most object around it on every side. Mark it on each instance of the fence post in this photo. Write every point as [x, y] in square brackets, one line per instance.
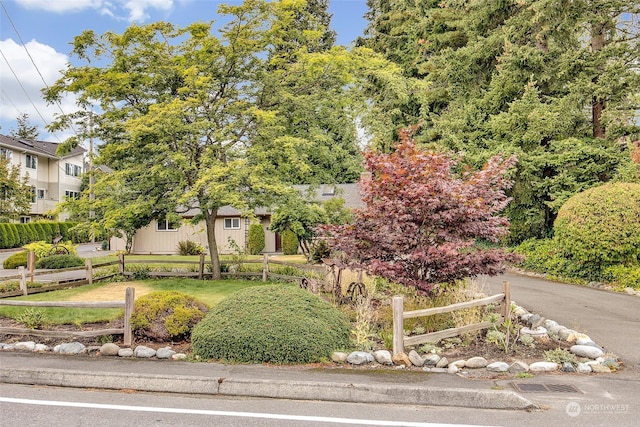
[398, 325]
[121, 265]
[23, 280]
[31, 263]
[201, 268]
[128, 311]
[265, 268]
[506, 303]
[89, 275]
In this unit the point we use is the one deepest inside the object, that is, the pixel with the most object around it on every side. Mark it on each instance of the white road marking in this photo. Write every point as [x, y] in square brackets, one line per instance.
[225, 413]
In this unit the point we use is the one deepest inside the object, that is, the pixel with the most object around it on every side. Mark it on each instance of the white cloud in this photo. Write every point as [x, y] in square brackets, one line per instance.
[60, 5]
[21, 84]
[136, 10]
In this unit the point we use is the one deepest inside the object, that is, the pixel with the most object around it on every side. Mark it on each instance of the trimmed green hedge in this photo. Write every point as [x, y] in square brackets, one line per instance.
[274, 324]
[290, 243]
[17, 235]
[56, 262]
[256, 239]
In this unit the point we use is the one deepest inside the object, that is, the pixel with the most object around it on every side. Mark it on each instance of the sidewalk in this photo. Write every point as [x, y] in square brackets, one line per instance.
[280, 382]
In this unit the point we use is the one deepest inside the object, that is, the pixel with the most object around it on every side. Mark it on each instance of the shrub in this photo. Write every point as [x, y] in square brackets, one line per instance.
[290, 242]
[256, 239]
[43, 249]
[166, 315]
[16, 260]
[32, 318]
[56, 262]
[623, 276]
[187, 247]
[276, 324]
[599, 227]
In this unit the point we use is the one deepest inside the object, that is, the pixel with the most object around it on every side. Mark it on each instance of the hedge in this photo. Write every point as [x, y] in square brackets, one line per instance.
[17, 235]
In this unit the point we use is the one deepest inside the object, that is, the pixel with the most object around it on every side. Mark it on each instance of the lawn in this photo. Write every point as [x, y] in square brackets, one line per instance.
[208, 291]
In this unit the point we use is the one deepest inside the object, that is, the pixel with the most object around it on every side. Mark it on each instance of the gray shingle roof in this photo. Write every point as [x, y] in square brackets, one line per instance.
[40, 148]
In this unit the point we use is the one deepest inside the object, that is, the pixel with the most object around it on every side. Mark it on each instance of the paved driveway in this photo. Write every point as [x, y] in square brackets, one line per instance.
[611, 319]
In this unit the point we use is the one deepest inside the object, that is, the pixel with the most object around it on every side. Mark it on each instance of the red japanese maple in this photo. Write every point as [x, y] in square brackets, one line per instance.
[421, 220]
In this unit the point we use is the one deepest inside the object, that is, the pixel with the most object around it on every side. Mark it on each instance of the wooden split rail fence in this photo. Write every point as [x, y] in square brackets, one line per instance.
[399, 316]
[127, 304]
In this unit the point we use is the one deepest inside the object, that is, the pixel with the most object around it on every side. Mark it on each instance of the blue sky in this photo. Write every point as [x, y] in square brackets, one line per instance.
[47, 27]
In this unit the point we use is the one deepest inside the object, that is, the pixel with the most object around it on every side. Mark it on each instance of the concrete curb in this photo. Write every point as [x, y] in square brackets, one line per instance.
[278, 389]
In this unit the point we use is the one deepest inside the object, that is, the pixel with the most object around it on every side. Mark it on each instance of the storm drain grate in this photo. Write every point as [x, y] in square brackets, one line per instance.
[541, 388]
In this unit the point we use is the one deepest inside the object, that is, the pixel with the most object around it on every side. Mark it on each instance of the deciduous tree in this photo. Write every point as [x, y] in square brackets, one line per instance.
[421, 219]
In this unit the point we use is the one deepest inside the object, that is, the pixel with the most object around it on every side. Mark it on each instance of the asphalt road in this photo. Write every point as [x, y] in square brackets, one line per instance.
[611, 319]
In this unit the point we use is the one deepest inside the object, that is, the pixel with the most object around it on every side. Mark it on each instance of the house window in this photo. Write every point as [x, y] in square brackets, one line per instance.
[5, 153]
[25, 219]
[166, 225]
[72, 170]
[32, 161]
[40, 193]
[33, 194]
[72, 194]
[232, 223]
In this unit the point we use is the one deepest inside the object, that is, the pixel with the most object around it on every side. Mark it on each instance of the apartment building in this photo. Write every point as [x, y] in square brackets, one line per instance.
[51, 177]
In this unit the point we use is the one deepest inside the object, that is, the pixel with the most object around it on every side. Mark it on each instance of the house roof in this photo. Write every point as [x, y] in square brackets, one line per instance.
[40, 148]
[349, 192]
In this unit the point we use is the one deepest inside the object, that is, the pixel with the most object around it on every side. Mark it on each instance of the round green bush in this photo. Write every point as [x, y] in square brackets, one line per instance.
[56, 262]
[166, 315]
[600, 227]
[290, 242]
[16, 260]
[275, 324]
[256, 239]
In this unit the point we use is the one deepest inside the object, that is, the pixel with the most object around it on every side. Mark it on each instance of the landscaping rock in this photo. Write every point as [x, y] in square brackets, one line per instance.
[543, 367]
[439, 370]
[568, 367]
[109, 349]
[583, 368]
[144, 352]
[458, 363]
[452, 368]
[25, 346]
[92, 350]
[165, 353]
[179, 356]
[431, 359]
[611, 363]
[442, 363]
[383, 357]
[415, 358]
[359, 358]
[41, 348]
[518, 367]
[339, 357]
[600, 369]
[565, 333]
[69, 348]
[586, 351]
[402, 359]
[125, 352]
[498, 367]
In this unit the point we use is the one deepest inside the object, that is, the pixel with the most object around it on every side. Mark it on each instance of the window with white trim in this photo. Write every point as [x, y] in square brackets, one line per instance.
[72, 170]
[166, 225]
[232, 224]
[31, 161]
[5, 153]
[33, 194]
[40, 193]
[72, 194]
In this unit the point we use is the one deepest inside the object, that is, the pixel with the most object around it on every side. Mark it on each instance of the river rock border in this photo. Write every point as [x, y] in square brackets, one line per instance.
[593, 357]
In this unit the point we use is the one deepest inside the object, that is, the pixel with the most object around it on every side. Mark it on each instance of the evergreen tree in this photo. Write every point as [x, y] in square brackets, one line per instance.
[25, 130]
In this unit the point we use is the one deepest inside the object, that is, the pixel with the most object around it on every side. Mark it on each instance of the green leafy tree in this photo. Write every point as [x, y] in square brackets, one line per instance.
[15, 192]
[24, 129]
[299, 216]
[554, 83]
[196, 121]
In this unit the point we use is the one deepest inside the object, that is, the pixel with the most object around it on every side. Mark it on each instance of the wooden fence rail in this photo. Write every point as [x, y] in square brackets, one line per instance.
[400, 341]
[127, 304]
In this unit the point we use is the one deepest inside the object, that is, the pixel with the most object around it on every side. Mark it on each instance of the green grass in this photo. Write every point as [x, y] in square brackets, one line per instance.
[208, 291]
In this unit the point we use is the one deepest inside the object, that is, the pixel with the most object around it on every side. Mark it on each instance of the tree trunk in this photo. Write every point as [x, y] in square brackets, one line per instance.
[210, 226]
[597, 104]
